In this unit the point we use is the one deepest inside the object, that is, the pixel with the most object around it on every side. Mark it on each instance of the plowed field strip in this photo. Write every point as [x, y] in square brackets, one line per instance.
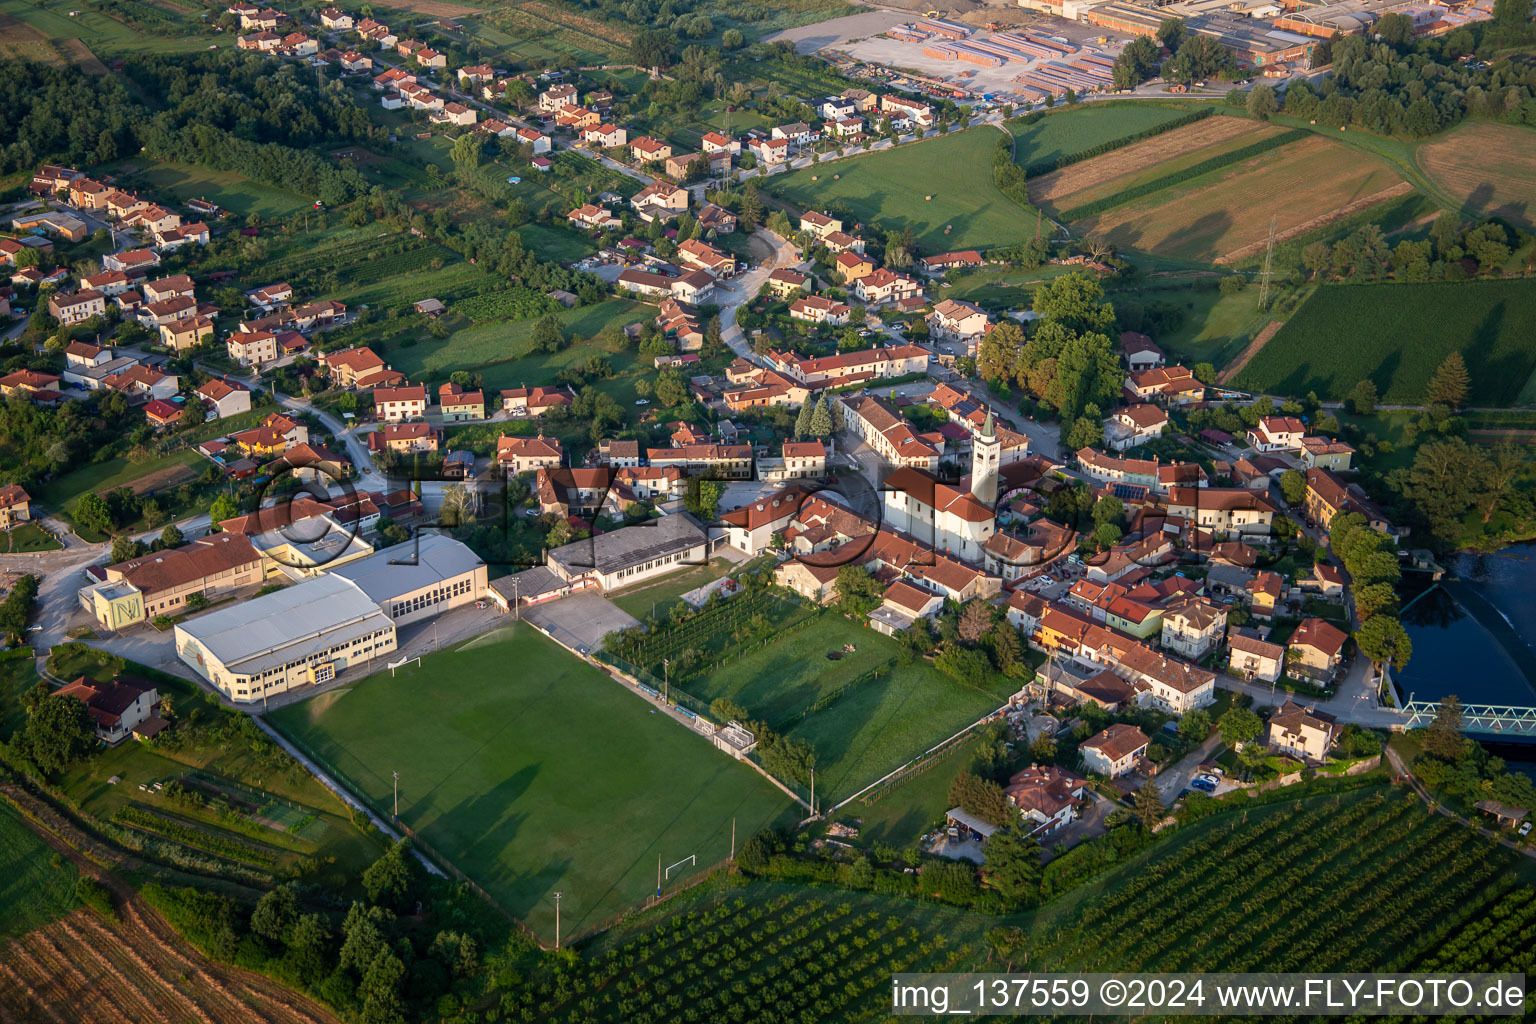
[1187, 145]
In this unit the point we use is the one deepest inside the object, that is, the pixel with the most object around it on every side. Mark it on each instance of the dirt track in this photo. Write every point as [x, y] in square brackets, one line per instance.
[1259, 341]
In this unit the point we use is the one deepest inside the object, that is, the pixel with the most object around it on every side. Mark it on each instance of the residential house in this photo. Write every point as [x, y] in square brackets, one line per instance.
[223, 399]
[960, 321]
[256, 349]
[181, 335]
[1316, 649]
[1116, 751]
[1302, 732]
[458, 405]
[818, 309]
[1326, 453]
[646, 149]
[535, 402]
[41, 387]
[359, 368]
[557, 97]
[594, 218]
[902, 604]
[1046, 797]
[606, 136]
[769, 152]
[1133, 425]
[819, 225]
[703, 256]
[15, 505]
[852, 266]
[714, 142]
[1264, 592]
[405, 438]
[131, 261]
[1170, 385]
[1277, 434]
[400, 403]
[1193, 627]
[117, 709]
[1139, 352]
[1251, 657]
[1223, 510]
[785, 282]
[885, 285]
[935, 265]
[74, 307]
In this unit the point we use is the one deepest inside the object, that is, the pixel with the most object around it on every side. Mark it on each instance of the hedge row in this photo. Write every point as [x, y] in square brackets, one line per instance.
[1040, 167]
[1006, 174]
[1205, 166]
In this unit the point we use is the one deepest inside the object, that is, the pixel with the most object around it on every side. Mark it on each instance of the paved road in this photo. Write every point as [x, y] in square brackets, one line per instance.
[745, 286]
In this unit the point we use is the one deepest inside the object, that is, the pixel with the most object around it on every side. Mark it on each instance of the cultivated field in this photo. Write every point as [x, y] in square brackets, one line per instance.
[1080, 128]
[83, 970]
[532, 771]
[1489, 167]
[1404, 882]
[1217, 217]
[1397, 335]
[1144, 161]
[940, 188]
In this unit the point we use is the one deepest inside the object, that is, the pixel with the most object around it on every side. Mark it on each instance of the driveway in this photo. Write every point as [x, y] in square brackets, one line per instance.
[1172, 781]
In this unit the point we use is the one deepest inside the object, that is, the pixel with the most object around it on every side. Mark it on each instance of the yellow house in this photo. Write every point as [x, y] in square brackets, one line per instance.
[1263, 593]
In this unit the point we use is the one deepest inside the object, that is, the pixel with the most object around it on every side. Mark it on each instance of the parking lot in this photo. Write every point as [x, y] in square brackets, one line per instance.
[580, 621]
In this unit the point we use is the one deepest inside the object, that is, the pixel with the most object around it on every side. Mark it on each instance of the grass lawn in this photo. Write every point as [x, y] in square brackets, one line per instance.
[905, 812]
[1397, 336]
[658, 598]
[889, 189]
[29, 537]
[557, 244]
[501, 351]
[32, 891]
[872, 729]
[1075, 129]
[63, 492]
[998, 287]
[1216, 327]
[534, 772]
[229, 189]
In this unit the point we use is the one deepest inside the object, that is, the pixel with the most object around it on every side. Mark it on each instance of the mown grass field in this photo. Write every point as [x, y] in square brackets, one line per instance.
[1301, 186]
[890, 190]
[28, 537]
[229, 189]
[502, 351]
[32, 891]
[1491, 168]
[864, 733]
[534, 772]
[1075, 129]
[1397, 335]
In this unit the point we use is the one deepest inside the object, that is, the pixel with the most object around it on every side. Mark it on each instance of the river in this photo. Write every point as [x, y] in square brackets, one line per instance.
[1475, 635]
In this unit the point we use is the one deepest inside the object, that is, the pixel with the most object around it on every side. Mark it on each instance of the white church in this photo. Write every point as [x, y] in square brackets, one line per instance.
[945, 517]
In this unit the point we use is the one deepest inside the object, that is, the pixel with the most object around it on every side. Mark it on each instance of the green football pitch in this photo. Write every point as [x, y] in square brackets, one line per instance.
[533, 772]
